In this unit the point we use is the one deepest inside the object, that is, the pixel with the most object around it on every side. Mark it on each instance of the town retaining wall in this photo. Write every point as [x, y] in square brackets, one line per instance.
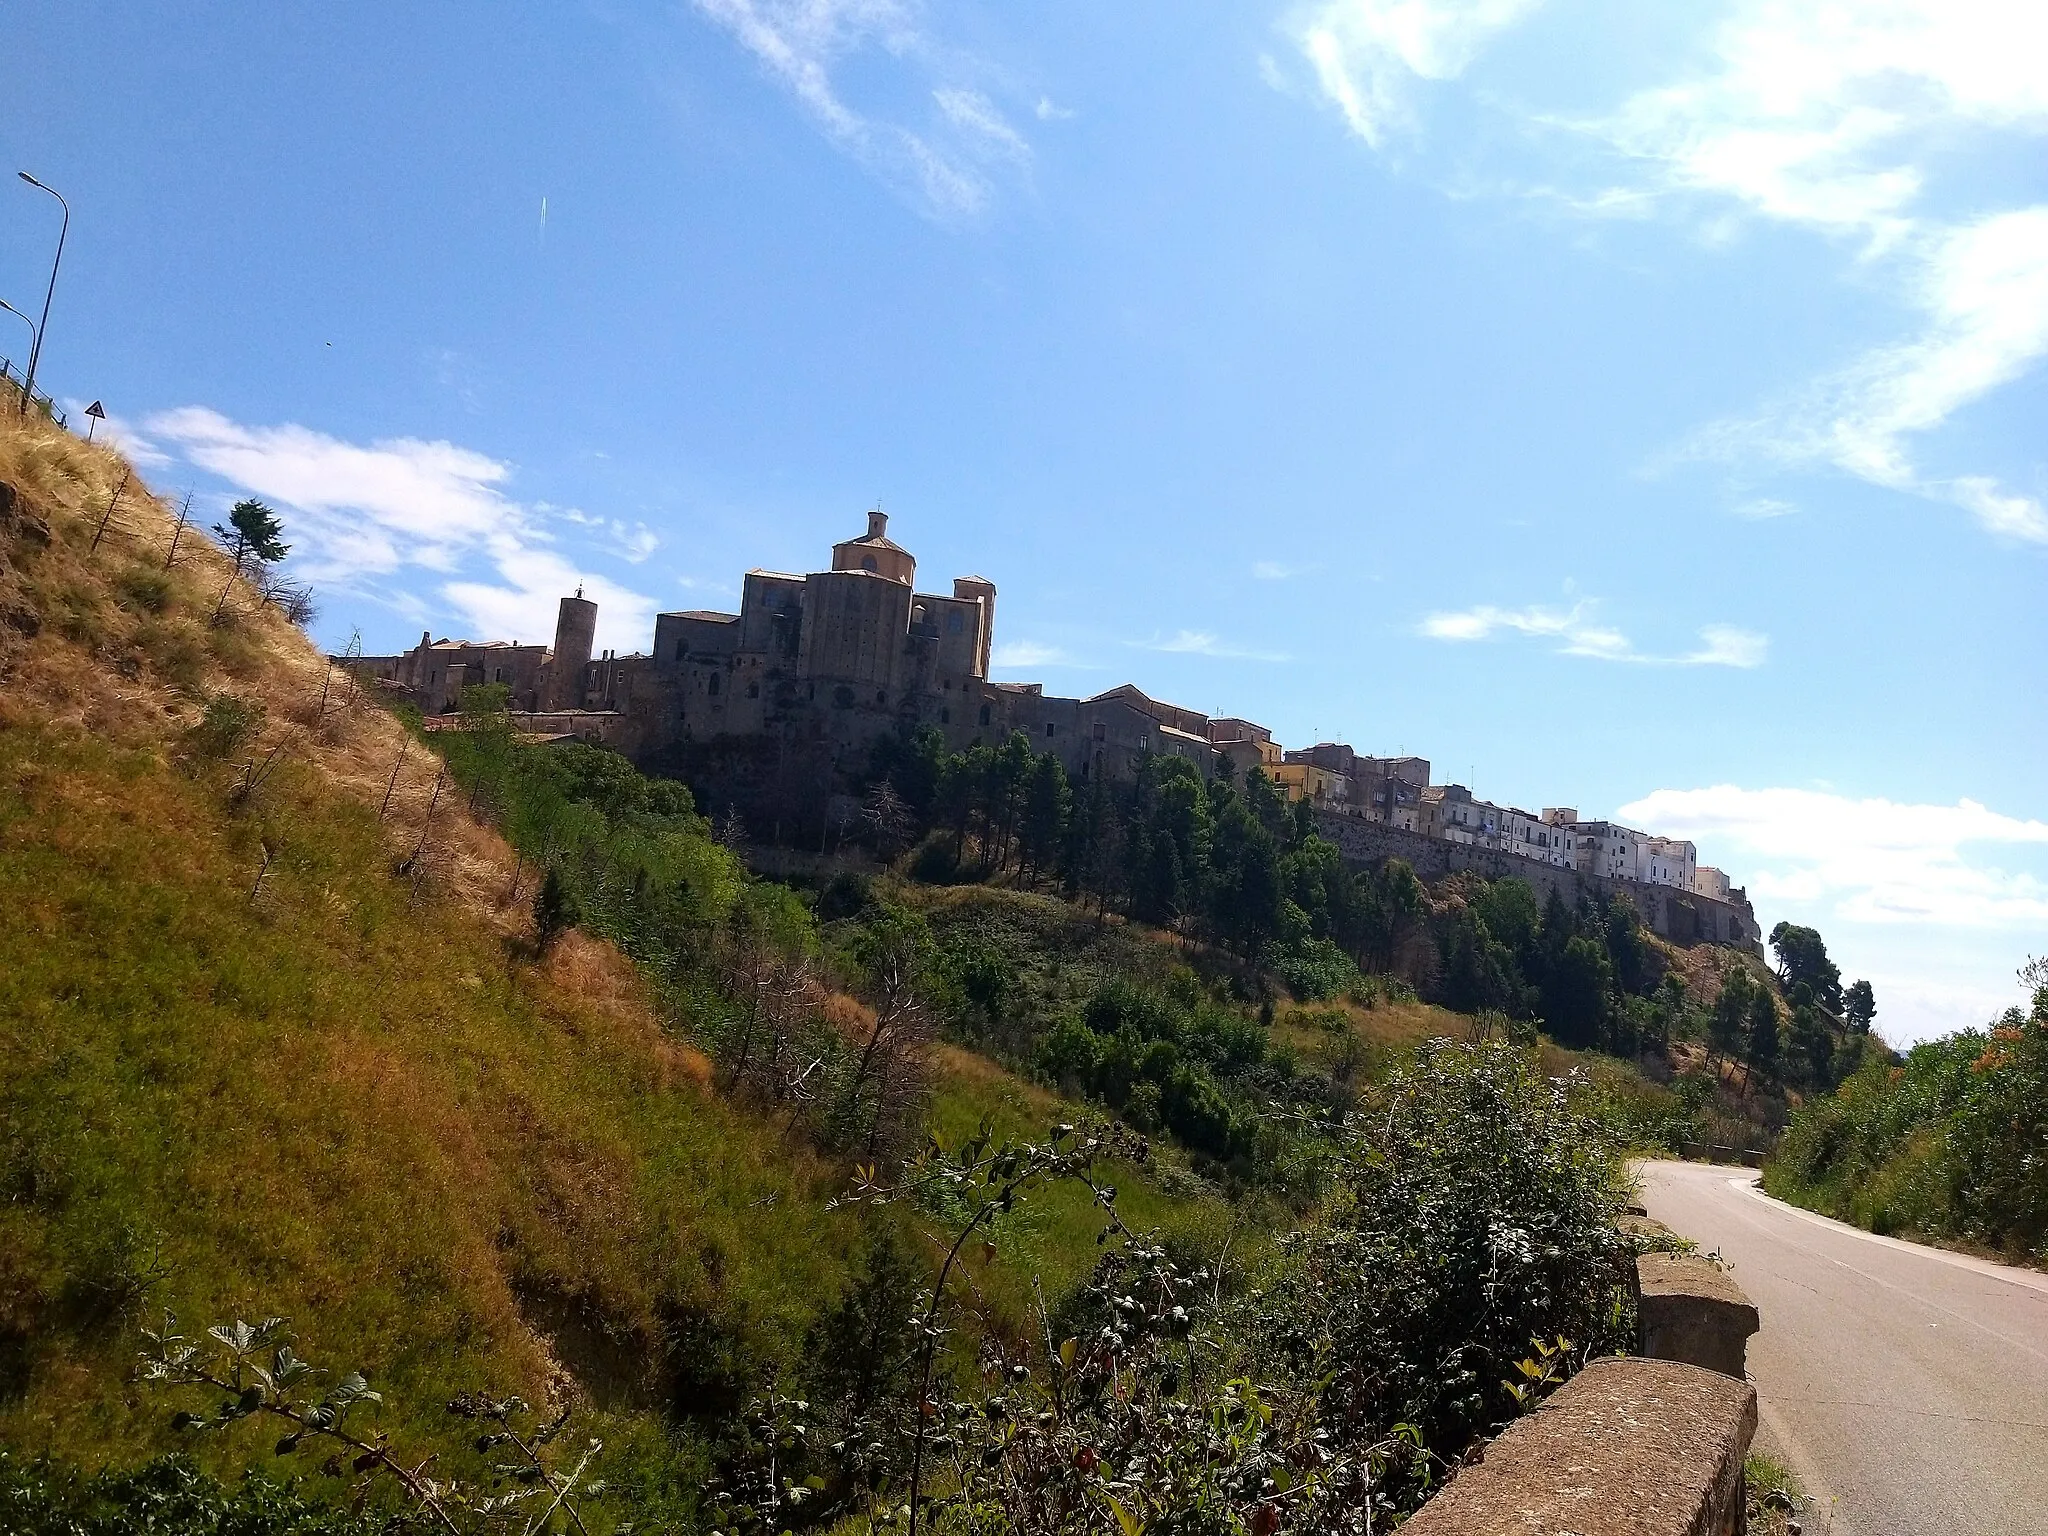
[1683, 917]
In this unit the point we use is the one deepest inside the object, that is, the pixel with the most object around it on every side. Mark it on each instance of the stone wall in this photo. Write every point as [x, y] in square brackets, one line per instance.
[1628, 1447]
[1684, 917]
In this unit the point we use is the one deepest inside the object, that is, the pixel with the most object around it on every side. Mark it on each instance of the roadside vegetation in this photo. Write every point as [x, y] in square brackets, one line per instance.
[412, 1130]
[1949, 1144]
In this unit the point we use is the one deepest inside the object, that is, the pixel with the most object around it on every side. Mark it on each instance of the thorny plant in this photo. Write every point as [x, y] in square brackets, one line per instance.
[257, 1374]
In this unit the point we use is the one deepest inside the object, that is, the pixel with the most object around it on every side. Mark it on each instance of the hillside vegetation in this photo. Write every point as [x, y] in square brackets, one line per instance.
[1950, 1145]
[953, 1190]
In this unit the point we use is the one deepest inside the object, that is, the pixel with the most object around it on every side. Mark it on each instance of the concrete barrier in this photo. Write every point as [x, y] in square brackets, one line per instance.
[1628, 1447]
[1691, 1310]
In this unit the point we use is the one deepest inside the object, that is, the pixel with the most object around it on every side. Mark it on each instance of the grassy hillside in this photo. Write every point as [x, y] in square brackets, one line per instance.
[349, 1096]
[274, 1039]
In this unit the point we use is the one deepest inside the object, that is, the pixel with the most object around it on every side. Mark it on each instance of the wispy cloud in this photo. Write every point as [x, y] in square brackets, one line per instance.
[1764, 508]
[1841, 119]
[1273, 570]
[1984, 289]
[631, 542]
[1578, 634]
[1020, 655]
[1200, 642]
[1368, 54]
[359, 511]
[944, 156]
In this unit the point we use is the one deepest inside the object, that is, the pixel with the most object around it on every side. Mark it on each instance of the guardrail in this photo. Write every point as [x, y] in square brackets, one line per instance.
[11, 385]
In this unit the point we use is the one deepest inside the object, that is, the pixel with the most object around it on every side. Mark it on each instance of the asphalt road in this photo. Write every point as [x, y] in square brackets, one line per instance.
[1907, 1386]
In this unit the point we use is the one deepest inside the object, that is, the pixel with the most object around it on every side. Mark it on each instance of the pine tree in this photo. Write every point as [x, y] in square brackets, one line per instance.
[1763, 1032]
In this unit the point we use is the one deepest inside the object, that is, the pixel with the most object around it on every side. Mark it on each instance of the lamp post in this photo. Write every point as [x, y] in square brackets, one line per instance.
[24, 319]
[28, 388]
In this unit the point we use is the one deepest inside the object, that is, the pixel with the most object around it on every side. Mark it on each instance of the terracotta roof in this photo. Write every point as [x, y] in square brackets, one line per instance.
[877, 541]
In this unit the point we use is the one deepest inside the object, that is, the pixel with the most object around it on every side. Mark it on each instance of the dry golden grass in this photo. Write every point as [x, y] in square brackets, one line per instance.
[105, 664]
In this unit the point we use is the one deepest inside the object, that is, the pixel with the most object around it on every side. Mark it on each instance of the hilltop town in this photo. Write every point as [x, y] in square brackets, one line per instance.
[792, 692]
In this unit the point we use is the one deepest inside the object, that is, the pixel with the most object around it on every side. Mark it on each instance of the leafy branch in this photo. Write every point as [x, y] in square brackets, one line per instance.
[258, 1374]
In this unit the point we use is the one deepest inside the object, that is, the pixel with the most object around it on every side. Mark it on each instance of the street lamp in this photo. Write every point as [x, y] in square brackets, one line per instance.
[28, 388]
[24, 319]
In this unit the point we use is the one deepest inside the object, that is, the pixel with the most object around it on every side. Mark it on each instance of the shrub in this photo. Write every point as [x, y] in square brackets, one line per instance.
[143, 589]
[226, 727]
[1479, 1215]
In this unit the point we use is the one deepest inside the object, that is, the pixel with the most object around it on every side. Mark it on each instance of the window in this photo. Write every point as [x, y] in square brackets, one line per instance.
[945, 715]
[753, 690]
[1048, 727]
[867, 562]
[984, 714]
[680, 647]
[881, 695]
[955, 622]
[711, 686]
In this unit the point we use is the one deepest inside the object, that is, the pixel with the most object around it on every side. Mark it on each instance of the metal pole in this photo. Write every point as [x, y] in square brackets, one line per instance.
[24, 319]
[36, 352]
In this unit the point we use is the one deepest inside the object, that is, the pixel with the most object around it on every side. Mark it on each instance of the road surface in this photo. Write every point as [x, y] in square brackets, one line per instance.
[1907, 1386]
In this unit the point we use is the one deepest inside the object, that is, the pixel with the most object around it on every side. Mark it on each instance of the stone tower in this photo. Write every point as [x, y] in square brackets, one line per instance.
[575, 634]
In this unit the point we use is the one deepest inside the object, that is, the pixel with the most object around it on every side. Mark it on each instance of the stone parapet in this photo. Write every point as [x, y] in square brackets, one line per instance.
[1628, 1447]
[1691, 1310]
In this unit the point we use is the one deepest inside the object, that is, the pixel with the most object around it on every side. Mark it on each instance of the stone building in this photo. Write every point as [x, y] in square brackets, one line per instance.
[774, 708]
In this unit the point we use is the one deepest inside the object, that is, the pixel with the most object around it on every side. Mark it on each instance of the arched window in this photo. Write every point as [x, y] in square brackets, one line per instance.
[711, 687]
[867, 562]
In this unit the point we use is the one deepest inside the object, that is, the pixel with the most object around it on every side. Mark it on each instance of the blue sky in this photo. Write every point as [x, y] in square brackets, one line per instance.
[1631, 407]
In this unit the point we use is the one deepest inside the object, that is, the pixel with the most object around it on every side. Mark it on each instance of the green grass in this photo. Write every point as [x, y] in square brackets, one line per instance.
[443, 1164]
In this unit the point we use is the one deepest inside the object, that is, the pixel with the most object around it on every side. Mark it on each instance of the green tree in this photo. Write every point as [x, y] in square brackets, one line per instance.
[253, 532]
[1048, 803]
[1859, 1006]
[1577, 992]
[555, 910]
[1728, 1024]
[1762, 1030]
[1803, 958]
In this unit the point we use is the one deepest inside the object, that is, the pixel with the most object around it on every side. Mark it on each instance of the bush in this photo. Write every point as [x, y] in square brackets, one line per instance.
[226, 727]
[1951, 1143]
[1317, 971]
[168, 1495]
[1479, 1216]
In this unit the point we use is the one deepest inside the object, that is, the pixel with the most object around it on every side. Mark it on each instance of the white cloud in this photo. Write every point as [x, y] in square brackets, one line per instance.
[1841, 118]
[1934, 903]
[978, 115]
[1763, 508]
[1273, 570]
[357, 511]
[631, 542]
[1873, 861]
[1367, 53]
[1721, 645]
[943, 163]
[1019, 655]
[1200, 642]
[1984, 288]
[1827, 114]
[1048, 111]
